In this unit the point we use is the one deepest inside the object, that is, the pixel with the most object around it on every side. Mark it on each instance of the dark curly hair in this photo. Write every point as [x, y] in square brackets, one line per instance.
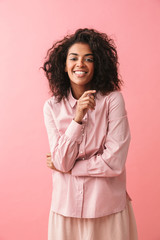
[105, 79]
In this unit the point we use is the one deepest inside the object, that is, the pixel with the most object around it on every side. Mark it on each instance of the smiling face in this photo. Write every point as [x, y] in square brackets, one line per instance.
[80, 65]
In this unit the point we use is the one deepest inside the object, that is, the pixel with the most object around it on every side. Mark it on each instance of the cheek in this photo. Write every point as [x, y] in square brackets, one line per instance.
[92, 69]
[68, 67]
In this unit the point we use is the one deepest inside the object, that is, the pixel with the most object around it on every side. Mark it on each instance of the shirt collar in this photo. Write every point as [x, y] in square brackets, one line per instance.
[71, 99]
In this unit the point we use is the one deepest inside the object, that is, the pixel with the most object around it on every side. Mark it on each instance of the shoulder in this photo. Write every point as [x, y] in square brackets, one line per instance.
[115, 102]
[115, 97]
[49, 104]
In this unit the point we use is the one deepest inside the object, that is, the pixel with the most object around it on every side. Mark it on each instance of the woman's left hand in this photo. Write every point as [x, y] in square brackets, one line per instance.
[51, 165]
[49, 161]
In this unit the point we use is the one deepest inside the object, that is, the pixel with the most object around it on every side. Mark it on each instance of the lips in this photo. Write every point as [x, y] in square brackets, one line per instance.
[79, 73]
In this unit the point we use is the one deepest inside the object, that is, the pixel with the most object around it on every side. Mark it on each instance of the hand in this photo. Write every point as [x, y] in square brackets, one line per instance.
[49, 161]
[51, 165]
[84, 103]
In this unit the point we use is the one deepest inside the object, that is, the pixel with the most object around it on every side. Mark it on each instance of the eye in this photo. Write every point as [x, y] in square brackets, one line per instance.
[73, 59]
[89, 60]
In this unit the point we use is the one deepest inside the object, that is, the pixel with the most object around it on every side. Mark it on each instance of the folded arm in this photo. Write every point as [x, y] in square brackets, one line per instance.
[112, 161]
[64, 148]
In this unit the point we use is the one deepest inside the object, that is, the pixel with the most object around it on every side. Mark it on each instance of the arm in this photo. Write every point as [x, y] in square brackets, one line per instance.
[64, 148]
[51, 165]
[111, 162]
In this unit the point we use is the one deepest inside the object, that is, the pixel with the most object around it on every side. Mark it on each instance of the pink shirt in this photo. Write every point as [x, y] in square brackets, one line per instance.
[95, 150]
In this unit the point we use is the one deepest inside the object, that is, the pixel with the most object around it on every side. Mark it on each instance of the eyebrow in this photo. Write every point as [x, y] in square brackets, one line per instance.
[88, 54]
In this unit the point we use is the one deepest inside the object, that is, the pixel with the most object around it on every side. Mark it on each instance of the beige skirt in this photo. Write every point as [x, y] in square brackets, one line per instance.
[118, 226]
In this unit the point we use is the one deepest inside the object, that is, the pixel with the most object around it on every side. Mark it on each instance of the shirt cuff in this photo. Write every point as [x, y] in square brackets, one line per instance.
[80, 168]
[74, 131]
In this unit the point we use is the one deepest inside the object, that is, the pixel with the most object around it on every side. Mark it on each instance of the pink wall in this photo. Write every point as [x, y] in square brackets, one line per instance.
[28, 29]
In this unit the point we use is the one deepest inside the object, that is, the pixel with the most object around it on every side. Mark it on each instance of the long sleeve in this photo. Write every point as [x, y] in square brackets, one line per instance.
[96, 150]
[64, 148]
[112, 160]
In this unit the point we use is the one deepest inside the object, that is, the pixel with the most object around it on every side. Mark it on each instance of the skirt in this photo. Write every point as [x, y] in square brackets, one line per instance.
[117, 226]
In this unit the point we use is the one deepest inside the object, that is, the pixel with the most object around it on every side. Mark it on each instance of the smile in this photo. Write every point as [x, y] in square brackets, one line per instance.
[80, 73]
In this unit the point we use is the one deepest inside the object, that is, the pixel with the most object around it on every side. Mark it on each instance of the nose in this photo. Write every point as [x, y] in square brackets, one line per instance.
[80, 62]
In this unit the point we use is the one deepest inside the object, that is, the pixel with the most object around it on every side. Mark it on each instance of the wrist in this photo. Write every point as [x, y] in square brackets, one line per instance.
[78, 120]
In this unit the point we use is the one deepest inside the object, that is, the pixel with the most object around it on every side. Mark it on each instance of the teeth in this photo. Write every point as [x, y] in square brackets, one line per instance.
[79, 72]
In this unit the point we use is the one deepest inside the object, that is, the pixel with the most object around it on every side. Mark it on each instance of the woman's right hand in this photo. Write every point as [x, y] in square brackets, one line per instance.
[84, 103]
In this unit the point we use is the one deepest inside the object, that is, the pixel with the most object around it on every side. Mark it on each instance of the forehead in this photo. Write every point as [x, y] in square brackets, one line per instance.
[80, 48]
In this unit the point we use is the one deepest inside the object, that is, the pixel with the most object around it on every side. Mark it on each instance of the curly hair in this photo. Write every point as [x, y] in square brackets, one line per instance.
[105, 79]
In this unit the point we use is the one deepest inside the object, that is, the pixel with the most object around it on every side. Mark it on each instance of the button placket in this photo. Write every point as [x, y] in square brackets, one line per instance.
[82, 144]
[80, 182]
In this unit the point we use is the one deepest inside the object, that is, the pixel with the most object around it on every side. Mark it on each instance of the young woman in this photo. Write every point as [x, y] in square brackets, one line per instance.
[89, 137]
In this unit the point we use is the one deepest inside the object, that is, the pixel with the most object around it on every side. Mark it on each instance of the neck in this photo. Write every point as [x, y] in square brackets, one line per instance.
[78, 91]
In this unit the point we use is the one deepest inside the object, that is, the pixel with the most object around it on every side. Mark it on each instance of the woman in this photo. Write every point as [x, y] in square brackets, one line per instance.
[89, 137]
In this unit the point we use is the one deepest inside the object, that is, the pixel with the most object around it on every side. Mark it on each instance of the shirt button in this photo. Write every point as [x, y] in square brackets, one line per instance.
[82, 158]
[81, 151]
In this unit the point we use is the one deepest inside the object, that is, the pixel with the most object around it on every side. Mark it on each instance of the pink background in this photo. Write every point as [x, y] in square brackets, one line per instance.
[28, 29]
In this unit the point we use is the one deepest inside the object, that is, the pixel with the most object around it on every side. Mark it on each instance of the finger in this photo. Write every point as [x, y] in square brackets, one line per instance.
[48, 154]
[87, 105]
[49, 162]
[91, 96]
[50, 165]
[92, 100]
[88, 92]
[89, 99]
